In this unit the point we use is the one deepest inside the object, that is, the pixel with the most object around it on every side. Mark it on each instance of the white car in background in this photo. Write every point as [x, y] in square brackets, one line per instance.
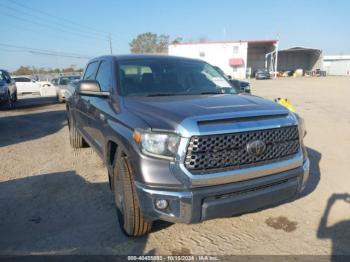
[47, 88]
[26, 85]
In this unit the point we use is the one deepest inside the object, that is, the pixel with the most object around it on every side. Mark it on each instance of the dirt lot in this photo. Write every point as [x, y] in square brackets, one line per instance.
[54, 200]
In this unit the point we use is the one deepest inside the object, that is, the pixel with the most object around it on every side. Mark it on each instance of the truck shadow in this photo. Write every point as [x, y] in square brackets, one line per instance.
[338, 233]
[61, 213]
[31, 103]
[315, 173]
[25, 127]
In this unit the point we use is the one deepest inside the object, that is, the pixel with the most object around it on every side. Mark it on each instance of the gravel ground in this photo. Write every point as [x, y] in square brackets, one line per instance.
[54, 200]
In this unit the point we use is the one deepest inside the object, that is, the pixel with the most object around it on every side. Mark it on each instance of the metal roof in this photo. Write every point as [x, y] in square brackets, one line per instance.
[300, 49]
[273, 41]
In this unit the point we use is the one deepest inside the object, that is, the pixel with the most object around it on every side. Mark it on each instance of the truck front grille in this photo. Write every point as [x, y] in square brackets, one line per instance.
[215, 153]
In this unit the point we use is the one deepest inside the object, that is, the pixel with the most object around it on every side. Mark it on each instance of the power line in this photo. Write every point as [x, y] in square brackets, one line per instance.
[57, 54]
[46, 52]
[41, 19]
[60, 19]
[45, 33]
[48, 26]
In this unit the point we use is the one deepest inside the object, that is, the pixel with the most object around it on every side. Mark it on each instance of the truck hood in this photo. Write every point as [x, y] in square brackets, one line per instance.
[169, 112]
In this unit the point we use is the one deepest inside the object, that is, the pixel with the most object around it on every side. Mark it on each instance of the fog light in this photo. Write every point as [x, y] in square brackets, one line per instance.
[162, 203]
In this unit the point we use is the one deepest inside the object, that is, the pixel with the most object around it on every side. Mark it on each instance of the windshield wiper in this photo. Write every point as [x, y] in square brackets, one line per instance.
[189, 94]
[162, 94]
[210, 93]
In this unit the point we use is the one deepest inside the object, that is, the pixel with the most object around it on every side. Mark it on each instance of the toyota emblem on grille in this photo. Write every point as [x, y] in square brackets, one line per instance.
[256, 147]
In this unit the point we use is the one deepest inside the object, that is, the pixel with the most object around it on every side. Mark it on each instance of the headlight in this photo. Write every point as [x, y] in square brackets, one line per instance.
[163, 145]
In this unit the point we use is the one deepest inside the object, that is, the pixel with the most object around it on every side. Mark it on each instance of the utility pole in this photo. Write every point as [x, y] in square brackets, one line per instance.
[58, 59]
[276, 58]
[110, 43]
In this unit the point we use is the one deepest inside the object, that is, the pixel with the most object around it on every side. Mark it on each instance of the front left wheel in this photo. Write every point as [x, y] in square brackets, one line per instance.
[75, 138]
[130, 216]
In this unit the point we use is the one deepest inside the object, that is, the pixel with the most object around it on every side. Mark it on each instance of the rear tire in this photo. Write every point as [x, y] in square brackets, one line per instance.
[10, 101]
[15, 97]
[75, 139]
[131, 219]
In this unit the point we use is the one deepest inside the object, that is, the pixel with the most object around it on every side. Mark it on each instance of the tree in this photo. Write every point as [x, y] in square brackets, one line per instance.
[144, 43]
[177, 40]
[23, 70]
[68, 70]
[163, 42]
[151, 43]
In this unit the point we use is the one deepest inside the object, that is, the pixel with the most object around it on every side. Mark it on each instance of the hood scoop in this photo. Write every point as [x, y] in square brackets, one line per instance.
[240, 119]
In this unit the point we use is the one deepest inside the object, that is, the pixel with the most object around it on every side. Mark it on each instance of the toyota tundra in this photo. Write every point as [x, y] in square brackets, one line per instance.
[181, 144]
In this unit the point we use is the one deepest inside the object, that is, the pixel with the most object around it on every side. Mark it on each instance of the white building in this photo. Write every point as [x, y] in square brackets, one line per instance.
[239, 59]
[338, 65]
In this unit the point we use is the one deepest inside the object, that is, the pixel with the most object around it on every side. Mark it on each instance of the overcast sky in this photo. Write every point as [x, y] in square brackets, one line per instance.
[81, 27]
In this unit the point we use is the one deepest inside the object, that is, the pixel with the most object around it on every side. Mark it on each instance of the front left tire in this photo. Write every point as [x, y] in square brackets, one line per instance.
[75, 138]
[131, 219]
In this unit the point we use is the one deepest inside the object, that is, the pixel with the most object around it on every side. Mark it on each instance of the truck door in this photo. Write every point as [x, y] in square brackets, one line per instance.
[82, 103]
[100, 106]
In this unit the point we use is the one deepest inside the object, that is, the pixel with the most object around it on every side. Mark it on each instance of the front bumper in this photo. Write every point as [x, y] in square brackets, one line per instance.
[62, 93]
[225, 200]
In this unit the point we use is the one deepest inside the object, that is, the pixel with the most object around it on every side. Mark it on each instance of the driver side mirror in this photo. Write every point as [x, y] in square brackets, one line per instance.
[246, 89]
[90, 88]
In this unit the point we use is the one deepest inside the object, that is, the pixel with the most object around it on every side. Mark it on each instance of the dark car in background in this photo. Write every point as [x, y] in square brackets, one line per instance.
[261, 74]
[241, 86]
[8, 90]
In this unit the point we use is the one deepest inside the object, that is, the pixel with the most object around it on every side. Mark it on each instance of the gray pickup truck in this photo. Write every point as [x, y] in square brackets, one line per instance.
[181, 144]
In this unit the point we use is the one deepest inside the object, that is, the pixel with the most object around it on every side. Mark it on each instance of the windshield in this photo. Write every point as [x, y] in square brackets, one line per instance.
[166, 77]
[65, 80]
